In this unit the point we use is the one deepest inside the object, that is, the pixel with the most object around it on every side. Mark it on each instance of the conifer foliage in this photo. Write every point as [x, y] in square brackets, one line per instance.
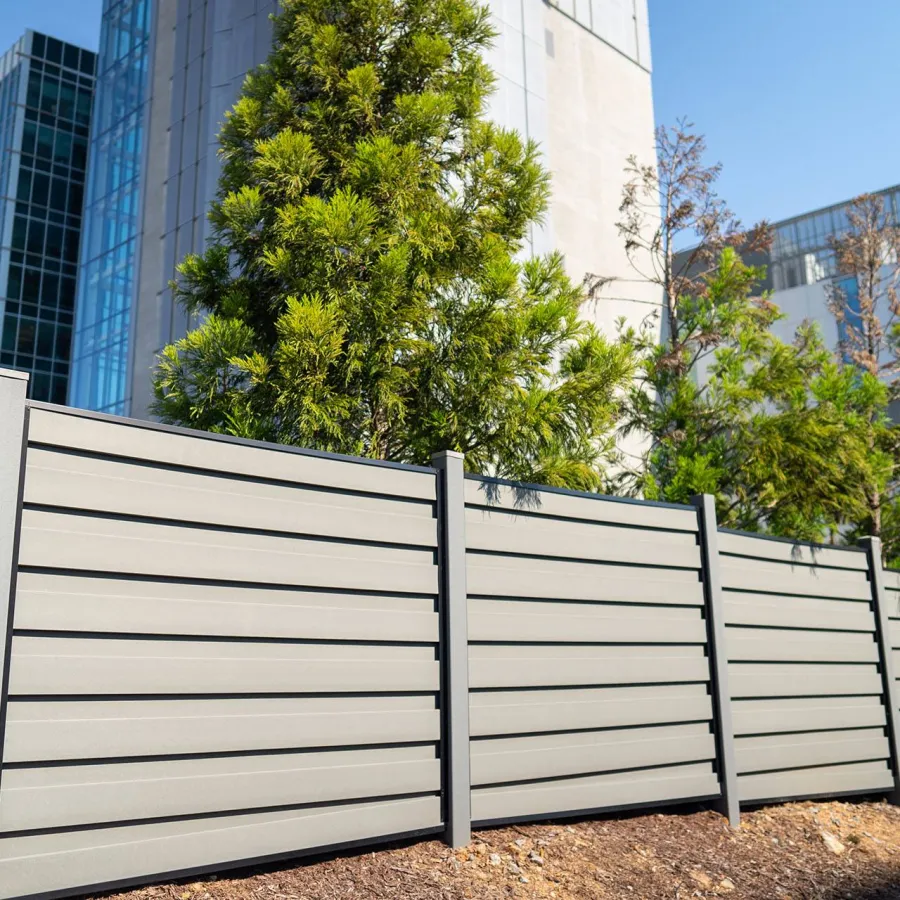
[364, 290]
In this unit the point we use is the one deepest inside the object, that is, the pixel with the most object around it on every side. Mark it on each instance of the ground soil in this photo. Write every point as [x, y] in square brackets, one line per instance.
[825, 851]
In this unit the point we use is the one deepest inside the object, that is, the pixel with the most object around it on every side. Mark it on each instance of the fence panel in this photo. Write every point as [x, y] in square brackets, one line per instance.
[809, 716]
[588, 672]
[220, 652]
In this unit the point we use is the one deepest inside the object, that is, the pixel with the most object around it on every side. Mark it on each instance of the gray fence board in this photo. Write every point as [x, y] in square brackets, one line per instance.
[118, 486]
[73, 542]
[591, 508]
[775, 645]
[65, 602]
[102, 729]
[748, 680]
[594, 792]
[71, 666]
[550, 579]
[505, 531]
[139, 441]
[787, 751]
[521, 711]
[66, 796]
[806, 714]
[579, 623]
[784, 611]
[790, 552]
[49, 862]
[549, 756]
[742, 574]
[859, 778]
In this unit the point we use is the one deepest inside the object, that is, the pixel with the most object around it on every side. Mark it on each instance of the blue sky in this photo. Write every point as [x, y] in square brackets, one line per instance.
[798, 98]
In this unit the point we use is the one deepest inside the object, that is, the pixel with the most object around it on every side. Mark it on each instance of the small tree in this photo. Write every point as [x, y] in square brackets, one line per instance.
[864, 301]
[667, 205]
[723, 406]
[771, 429]
[363, 289]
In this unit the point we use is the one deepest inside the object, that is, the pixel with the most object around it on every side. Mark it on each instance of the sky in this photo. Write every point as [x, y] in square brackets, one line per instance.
[797, 98]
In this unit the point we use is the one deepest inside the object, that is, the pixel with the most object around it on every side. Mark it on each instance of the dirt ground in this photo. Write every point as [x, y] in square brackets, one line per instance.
[832, 850]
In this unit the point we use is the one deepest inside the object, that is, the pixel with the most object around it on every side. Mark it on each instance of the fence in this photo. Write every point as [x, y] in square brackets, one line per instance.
[221, 651]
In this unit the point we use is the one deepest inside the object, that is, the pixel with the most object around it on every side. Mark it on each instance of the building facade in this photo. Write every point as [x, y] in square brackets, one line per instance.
[801, 266]
[46, 91]
[574, 75]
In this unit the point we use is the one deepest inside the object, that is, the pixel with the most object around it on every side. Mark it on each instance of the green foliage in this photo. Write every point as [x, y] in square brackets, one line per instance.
[363, 290]
[774, 431]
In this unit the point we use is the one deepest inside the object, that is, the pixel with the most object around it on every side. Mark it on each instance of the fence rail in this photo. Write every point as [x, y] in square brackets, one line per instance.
[219, 651]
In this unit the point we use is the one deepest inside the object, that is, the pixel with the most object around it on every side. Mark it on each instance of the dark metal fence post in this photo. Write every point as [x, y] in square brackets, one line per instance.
[455, 649]
[872, 547]
[721, 694]
[13, 428]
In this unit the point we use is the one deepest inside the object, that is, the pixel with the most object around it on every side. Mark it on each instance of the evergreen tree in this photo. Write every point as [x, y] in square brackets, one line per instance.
[772, 430]
[363, 291]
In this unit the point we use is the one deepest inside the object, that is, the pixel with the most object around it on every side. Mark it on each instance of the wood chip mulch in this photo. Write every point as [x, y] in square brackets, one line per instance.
[800, 851]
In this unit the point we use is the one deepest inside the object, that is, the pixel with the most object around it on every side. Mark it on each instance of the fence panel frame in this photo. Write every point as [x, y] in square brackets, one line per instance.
[455, 649]
[872, 546]
[715, 610]
[13, 444]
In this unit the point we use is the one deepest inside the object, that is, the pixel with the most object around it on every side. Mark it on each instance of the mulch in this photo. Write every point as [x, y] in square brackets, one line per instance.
[800, 851]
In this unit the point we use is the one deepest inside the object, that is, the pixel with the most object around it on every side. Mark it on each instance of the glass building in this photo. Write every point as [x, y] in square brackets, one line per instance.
[111, 245]
[800, 251]
[46, 90]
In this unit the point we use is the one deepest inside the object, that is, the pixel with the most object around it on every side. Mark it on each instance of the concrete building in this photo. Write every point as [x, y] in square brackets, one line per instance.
[46, 89]
[574, 75]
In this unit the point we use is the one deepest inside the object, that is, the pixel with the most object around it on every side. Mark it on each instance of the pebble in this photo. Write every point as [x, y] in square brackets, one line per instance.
[536, 858]
[494, 859]
[513, 869]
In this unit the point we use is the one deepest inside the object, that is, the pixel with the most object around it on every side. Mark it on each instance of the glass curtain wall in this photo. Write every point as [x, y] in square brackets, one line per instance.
[110, 249]
[45, 114]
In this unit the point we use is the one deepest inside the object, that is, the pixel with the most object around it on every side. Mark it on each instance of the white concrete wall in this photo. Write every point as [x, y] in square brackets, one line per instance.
[600, 113]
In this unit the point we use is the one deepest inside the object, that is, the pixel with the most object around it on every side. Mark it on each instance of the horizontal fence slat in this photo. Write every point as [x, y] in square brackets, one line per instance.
[590, 508]
[542, 799]
[517, 712]
[509, 532]
[858, 778]
[100, 729]
[60, 429]
[774, 645]
[114, 486]
[528, 758]
[67, 860]
[773, 610]
[510, 620]
[785, 551]
[83, 543]
[108, 667]
[778, 716]
[558, 580]
[63, 602]
[61, 797]
[578, 668]
[786, 751]
[752, 680]
[782, 578]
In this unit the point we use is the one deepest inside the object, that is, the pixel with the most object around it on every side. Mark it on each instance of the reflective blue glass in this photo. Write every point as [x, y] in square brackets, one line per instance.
[44, 119]
[108, 265]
